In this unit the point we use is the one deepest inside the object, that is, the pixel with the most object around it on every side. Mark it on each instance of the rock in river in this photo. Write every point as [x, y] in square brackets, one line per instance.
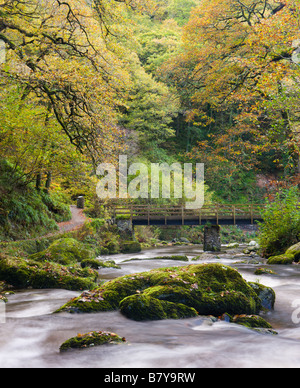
[179, 292]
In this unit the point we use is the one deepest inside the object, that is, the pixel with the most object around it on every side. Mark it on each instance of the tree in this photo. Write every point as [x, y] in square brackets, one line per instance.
[62, 54]
[240, 85]
[151, 107]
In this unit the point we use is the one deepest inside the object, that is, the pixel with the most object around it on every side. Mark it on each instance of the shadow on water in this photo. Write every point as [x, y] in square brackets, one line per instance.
[32, 335]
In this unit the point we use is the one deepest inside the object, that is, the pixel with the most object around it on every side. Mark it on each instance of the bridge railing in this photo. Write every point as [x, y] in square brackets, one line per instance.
[214, 212]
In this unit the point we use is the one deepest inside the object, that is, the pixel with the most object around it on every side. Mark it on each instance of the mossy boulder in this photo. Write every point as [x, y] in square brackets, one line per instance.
[210, 289]
[113, 247]
[94, 338]
[284, 259]
[295, 252]
[265, 294]
[21, 273]
[65, 251]
[146, 308]
[289, 257]
[131, 247]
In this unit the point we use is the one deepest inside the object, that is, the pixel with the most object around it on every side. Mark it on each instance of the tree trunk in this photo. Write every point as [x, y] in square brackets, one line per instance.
[48, 181]
[38, 181]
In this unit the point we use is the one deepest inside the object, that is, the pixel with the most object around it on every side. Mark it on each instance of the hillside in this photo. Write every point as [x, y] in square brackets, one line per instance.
[24, 211]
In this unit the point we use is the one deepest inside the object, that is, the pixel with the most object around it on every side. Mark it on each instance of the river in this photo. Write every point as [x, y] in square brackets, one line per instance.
[32, 335]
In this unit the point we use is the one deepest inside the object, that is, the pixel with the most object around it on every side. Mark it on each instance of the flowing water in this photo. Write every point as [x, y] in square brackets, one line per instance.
[32, 335]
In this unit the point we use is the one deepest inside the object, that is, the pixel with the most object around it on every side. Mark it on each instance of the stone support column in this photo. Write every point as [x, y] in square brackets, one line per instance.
[212, 239]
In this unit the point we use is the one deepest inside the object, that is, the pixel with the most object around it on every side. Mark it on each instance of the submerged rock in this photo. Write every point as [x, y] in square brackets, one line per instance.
[264, 271]
[208, 289]
[255, 322]
[252, 321]
[94, 338]
[175, 258]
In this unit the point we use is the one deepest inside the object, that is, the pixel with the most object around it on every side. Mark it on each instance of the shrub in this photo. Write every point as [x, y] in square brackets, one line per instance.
[281, 226]
[58, 205]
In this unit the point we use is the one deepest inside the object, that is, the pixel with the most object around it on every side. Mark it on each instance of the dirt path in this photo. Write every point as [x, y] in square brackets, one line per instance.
[78, 219]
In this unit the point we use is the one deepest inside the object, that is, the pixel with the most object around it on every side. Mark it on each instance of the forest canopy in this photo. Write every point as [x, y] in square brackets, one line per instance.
[215, 82]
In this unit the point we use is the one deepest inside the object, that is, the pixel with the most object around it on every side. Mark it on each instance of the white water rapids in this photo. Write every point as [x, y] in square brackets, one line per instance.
[32, 335]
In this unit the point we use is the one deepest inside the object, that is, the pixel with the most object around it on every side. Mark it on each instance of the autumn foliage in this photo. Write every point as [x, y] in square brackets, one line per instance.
[237, 68]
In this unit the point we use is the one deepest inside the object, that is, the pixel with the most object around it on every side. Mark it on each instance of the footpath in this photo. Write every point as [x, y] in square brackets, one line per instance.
[77, 220]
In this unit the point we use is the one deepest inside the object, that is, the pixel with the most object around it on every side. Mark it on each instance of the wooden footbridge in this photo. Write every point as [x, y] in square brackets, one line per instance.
[215, 214]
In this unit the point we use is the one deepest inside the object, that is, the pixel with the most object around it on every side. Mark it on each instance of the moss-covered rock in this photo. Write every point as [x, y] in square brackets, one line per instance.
[284, 259]
[131, 247]
[113, 247]
[145, 308]
[265, 294]
[294, 251]
[21, 273]
[94, 338]
[174, 258]
[97, 264]
[252, 321]
[64, 251]
[210, 289]
[264, 271]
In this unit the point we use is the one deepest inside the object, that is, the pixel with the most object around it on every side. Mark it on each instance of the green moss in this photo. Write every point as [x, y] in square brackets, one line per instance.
[95, 338]
[131, 247]
[113, 247]
[96, 264]
[21, 273]
[294, 251]
[284, 259]
[252, 321]
[64, 251]
[146, 308]
[122, 217]
[210, 289]
[264, 271]
[176, 258]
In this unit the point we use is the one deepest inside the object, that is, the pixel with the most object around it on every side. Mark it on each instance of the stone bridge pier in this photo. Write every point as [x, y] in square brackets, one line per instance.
[126, 229]
[212, 238]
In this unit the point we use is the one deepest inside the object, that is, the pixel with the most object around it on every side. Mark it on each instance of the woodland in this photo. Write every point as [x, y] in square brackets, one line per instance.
[199, 81]
[213, 82]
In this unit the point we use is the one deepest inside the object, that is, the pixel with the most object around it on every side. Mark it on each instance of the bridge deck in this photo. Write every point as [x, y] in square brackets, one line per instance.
[179, 215]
